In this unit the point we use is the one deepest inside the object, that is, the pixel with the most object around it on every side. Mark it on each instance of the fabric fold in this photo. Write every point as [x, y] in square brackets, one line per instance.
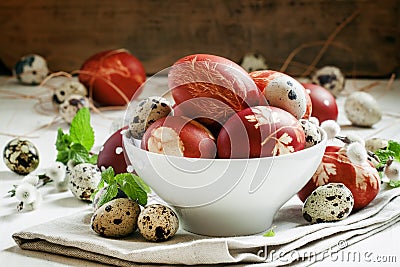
[296, 242]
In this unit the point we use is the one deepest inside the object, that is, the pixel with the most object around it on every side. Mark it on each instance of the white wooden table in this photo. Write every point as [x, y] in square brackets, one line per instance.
[20, 115]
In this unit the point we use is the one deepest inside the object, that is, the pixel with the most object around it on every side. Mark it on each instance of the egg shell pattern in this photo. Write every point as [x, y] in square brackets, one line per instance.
[331, 78]
[116, 218]
[70, 87]
[362, 109]
[375, 143]
[282, 91]
[71, 105]
[146, 113]
[83, 180]
[31, 69]
[328, 203]
[21, 156]
[311, 132]
[157, 223]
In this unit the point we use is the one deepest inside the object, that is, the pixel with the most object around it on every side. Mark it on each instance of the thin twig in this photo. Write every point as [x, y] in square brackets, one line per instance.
[329, 41]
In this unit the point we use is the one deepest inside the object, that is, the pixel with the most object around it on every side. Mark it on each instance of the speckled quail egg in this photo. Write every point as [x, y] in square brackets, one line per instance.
[116, 218]
[311, 132]
[71, 105]
[147, 112]
[21, 156]
[362, 109]
[328, 203]
[253, 61]
[375, 143]
[282, 91]
[83, 180]
[31, 69]
[157, 223]
[67, 88]
[331, 78]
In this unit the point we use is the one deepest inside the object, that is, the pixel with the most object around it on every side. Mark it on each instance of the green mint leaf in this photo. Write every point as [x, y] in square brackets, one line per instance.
[111, 191]
[63, 140]
[99, 187]
[383, 155]
[108, 175]
[131, 188]
[141, 183]
[270, 232]
[93, 159]
[395, 148]
[63, 156]
[78, 154]
[394, 184]
[80, 130]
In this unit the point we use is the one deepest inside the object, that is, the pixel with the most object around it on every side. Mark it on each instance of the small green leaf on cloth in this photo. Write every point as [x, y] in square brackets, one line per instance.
[270, 232]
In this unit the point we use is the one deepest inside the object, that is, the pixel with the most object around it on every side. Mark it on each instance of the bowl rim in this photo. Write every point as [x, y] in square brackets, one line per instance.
[288, 155]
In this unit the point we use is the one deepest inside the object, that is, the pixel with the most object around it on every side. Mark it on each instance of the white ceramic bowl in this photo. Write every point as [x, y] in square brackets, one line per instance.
[225, 197]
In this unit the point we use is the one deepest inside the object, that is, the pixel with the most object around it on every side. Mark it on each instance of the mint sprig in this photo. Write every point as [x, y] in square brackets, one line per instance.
[77, 144]
[132, 185]
[391, 151]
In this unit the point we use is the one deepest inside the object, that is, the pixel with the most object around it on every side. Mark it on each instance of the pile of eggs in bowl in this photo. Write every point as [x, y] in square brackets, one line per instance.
[222, 145]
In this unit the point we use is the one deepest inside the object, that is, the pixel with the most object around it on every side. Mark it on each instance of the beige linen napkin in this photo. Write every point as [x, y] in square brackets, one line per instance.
[296, 242]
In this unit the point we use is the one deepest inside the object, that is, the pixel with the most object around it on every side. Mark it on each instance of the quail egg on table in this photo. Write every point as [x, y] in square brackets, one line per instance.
[70, 87]
[328, 203]
[376, 143]
[21, 156]
[312, 133]
[31, 69]
[116, 218]
[331, 78]
[83, 180]
[362, 109]
[147, 112]
[282, 91]
[71, 106]
[157, 222]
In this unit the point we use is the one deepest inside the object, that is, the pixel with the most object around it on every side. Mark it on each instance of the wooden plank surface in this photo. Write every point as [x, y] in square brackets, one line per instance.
[159, 32]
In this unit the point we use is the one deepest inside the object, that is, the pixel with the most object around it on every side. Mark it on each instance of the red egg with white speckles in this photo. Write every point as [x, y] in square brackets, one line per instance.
[362, 179]
[112, 153]
[113, 76]
[260, 131]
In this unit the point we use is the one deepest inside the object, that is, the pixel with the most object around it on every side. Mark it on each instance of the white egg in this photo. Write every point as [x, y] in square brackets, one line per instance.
[31, 69]
[83, 180]
[311, 132]
[287, 93]
[252, 62]
[71, 105]
[331, 78]
[374, 144]
[70, 87]
[362, 109]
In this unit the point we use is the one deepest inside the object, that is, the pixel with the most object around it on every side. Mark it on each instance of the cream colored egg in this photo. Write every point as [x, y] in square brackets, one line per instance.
[116, 218]
[362, 109]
